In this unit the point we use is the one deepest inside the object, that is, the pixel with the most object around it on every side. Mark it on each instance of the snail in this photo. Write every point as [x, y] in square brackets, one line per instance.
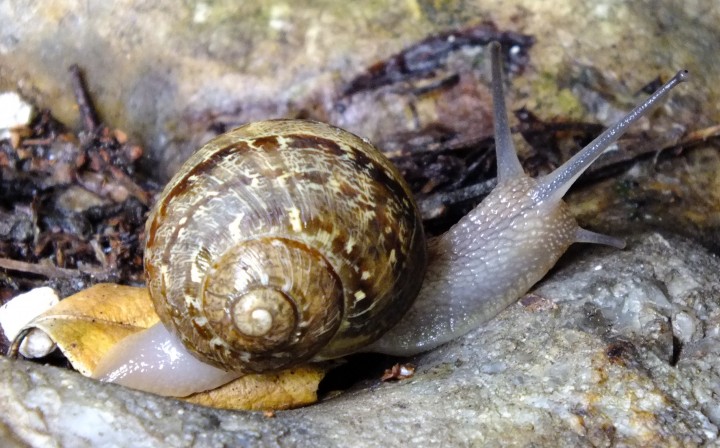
[287, 241]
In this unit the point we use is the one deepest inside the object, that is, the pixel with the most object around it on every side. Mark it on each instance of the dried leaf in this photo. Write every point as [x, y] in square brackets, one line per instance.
[86, 325]
[399, 372]
[280, 390]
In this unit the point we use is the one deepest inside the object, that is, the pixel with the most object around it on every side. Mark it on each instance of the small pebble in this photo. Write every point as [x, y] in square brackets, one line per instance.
[14, 112]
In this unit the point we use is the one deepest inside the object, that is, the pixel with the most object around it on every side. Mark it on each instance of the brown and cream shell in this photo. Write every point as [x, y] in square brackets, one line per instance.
[282, 241]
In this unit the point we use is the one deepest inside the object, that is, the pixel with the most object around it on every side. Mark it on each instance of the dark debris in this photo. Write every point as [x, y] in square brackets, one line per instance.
[399, 372]
[424, 58]
[72, 205]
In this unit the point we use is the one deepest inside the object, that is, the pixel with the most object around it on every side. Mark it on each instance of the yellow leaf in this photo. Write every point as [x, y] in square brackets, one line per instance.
[286, 389]
[88, 324]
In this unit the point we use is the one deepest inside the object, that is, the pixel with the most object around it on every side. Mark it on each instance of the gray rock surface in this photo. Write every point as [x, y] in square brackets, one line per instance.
[167, 72]
[613, 348]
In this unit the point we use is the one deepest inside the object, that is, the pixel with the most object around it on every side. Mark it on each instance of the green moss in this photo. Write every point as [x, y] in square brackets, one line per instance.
[547, 100]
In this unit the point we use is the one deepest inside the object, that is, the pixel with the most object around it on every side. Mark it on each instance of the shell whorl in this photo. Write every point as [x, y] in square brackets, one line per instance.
[283, 241]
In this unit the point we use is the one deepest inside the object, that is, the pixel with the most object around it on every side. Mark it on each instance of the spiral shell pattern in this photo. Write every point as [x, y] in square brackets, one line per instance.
[283, 241]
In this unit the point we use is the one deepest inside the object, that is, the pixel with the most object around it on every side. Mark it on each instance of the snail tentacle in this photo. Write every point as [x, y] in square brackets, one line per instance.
[588, 236]
[499, 250]
[556, 184]
[508, 165]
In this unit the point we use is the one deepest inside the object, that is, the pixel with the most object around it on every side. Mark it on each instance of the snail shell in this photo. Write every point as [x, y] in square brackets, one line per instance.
[282, 241]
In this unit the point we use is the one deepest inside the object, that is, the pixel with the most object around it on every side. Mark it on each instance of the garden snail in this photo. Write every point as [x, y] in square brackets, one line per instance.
[304, 258]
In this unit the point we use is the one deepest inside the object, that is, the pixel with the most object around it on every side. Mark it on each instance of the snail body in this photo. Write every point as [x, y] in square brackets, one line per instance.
[314, 249]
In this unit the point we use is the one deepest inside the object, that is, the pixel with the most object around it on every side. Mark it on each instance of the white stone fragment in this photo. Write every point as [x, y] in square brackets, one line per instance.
[684, 327]
[14, 112]
[22, 309]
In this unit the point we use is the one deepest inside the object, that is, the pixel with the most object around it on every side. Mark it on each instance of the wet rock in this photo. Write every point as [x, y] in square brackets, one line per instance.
[602, 354]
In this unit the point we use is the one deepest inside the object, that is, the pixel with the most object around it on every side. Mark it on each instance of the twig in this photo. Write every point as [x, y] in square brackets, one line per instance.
[437, 204]
[126, 181]
[701, 135]
[39, 269]
[82, 97]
